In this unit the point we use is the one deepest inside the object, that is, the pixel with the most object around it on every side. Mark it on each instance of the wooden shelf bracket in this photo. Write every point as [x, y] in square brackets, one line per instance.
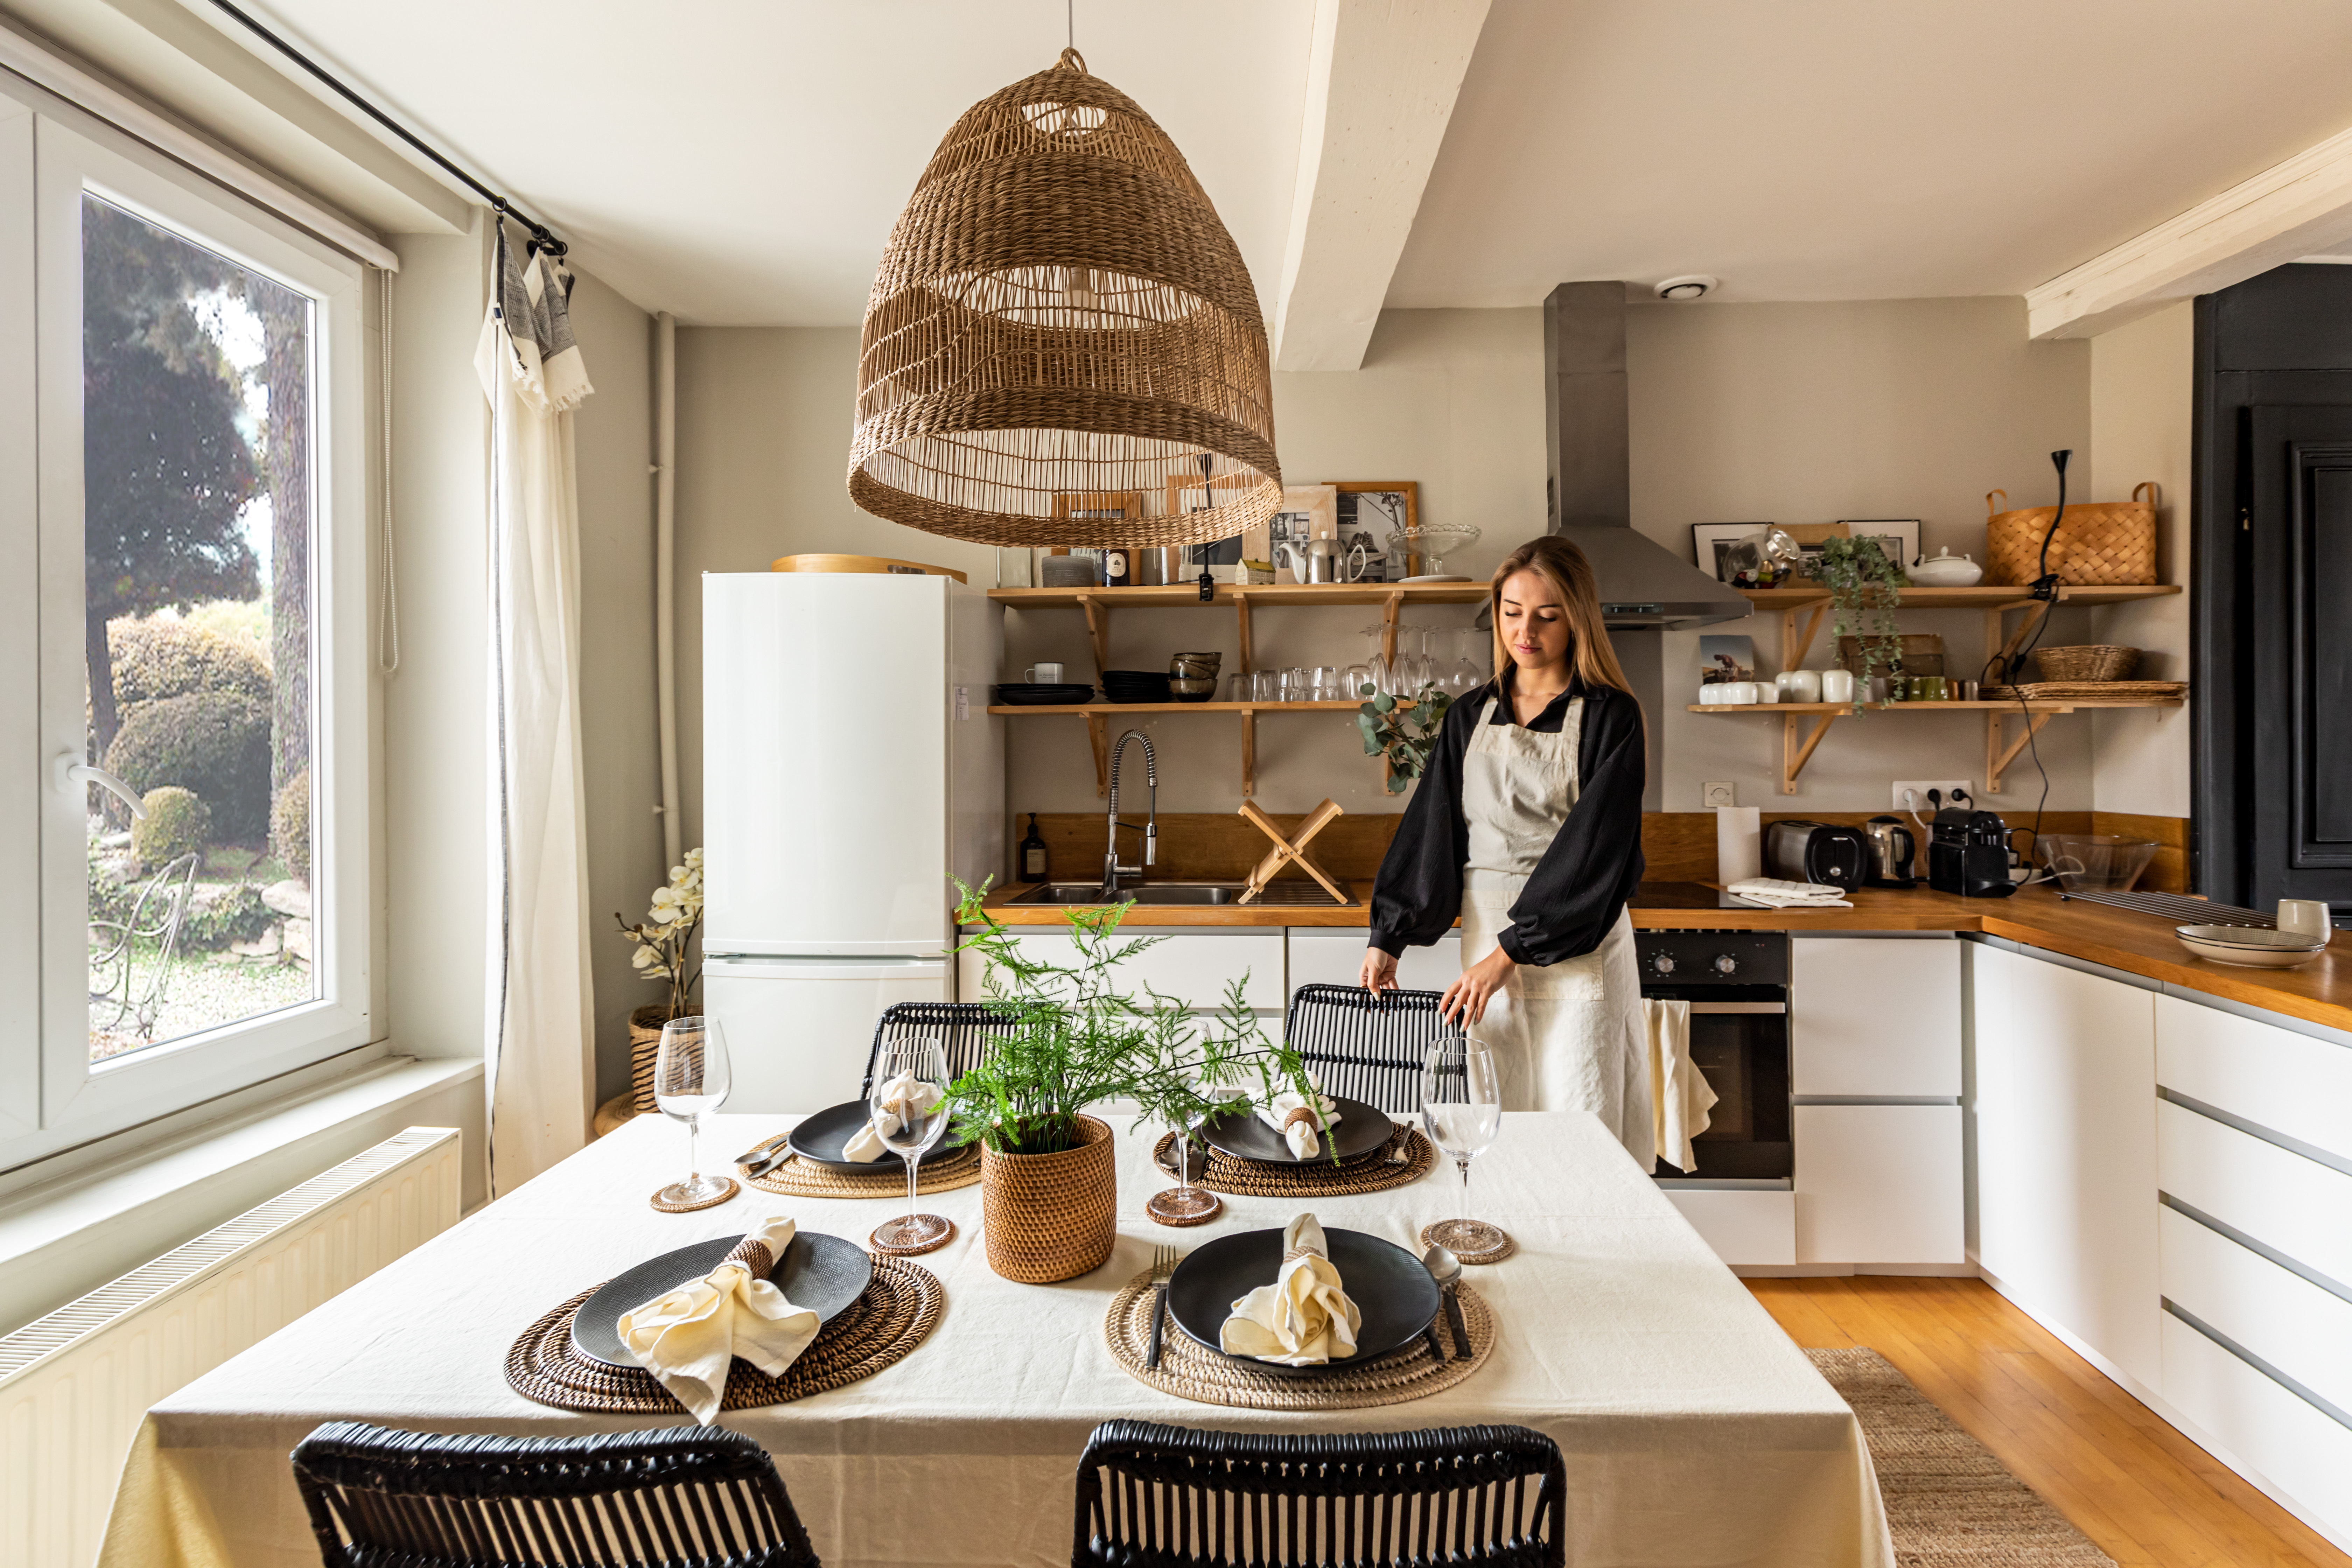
[1098, 737]
[1795, 644]
[1796, 753]
[1097, 628]
[1999, 753]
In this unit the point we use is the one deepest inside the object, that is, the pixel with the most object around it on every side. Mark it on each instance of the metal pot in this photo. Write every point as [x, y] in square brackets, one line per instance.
[1323, 561]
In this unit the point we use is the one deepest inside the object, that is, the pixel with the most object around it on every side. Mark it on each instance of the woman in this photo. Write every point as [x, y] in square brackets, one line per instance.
[1527, 824]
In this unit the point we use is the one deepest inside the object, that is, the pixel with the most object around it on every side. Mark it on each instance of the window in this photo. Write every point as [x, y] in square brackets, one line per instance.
[183, 372]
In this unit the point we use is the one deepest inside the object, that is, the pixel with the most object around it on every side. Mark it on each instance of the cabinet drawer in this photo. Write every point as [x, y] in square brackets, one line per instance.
[2290, 1443]
[1194, 967]
[1743, 1228]
[1879, 1183]
[1876, 1018]
[2299, 1207]
[2276, 1313]
[2289, 1082]
[1334, 955]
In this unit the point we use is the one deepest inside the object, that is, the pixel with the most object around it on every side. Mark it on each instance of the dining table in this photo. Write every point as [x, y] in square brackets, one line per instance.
[1692, 1429]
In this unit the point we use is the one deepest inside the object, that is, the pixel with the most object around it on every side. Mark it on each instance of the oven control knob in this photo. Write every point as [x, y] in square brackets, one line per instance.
[1663, 963]
[1725, 964]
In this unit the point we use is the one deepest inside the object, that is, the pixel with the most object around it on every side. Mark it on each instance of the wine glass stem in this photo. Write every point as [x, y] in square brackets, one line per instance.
[914, 1162]
[1465, 1180]
[1183, 1163]
[693, 1151]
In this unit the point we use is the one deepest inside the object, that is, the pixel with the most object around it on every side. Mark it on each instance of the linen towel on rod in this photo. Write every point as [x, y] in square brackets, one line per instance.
[540, 1015]
[1680, 1096]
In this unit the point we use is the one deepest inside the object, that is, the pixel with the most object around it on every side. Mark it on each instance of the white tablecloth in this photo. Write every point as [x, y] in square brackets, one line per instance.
[1694, 1431]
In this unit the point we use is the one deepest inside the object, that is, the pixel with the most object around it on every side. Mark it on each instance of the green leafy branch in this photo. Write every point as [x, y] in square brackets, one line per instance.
[1865, 589]
[1405, 732]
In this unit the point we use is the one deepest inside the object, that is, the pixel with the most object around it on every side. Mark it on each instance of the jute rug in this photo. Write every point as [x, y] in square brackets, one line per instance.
[1949, 1503]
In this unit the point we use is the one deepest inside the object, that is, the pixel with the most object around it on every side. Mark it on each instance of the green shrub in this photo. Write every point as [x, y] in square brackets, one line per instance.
[177, 823]
[238, 915]
[154, 659]
[214, 742]
[289, 826]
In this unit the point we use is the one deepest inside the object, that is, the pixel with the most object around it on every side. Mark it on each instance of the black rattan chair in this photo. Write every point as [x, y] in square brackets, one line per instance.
[962, 1030]
[1364, 1047]
[385, 1498]
[1165, 1494]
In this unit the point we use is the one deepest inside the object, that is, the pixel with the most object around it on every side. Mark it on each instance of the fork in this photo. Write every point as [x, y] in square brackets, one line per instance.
[1163, 1264]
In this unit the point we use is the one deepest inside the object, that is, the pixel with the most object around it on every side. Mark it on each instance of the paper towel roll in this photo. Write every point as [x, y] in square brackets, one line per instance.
[1739, 844]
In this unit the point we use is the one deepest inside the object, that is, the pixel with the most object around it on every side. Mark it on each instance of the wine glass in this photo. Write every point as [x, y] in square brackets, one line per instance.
[691, 1078]
[1184, 1203]
[909, 1104]
[1468, 642]
[1462, 1111]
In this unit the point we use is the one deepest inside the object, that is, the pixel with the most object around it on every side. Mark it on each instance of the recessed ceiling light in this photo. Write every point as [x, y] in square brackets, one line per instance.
[1690, 286]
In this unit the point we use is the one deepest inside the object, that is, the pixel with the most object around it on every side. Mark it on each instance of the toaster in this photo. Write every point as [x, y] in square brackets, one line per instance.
[1967, 854]
[1816, 852]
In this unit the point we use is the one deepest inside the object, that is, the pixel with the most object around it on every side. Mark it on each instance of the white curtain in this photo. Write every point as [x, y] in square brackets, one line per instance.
[540, 1040]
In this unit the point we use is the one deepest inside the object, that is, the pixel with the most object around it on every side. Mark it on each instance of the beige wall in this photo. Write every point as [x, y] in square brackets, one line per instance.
[2141, 397]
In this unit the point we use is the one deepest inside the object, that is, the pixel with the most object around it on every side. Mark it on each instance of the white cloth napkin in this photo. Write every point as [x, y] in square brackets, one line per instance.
[1293, 1116]
[1680, 1095]
[1304, 1318]
[689, 1337]
[1774, 893]
[903, 1099]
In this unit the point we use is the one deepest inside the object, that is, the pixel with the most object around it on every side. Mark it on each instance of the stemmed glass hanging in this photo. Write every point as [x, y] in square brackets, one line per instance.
[1381, 672]
[1468, 642]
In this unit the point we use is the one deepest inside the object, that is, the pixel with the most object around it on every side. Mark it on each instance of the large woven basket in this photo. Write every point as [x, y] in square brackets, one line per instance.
[1051, 1216]
[2087, 662]
[644, 1048]
[2099, 543]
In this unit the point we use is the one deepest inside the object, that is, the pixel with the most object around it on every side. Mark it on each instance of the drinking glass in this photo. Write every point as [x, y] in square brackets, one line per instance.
[691, 1078]
[1266, 686]
[1353, 679]
[1294, 685]
[1237, 686]
[1462, 1111]
[909, 1097]
[1323, 686]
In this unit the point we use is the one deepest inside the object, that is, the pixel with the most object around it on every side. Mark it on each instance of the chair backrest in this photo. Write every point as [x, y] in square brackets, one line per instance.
[1153, 1494]
[682, 1494]
[1364, 1047]
[961, 1028]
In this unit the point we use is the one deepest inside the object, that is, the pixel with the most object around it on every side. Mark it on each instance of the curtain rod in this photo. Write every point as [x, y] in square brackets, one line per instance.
[540, 231]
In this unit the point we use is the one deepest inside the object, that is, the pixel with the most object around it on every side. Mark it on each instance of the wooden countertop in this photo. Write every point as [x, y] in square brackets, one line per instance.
[2135, 944]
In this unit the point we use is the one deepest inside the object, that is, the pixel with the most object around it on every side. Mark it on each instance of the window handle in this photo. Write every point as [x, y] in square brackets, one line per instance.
[74, 775]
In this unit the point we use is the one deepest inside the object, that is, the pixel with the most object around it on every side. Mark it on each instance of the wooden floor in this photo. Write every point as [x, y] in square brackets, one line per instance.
[2145, 1493]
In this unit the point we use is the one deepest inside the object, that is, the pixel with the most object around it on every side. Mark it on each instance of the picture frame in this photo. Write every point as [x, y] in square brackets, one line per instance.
[1309, 512]
[1372, 509]
[1902, 531]
[1710, 540]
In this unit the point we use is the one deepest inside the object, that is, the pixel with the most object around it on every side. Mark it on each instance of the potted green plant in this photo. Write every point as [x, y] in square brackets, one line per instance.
[1865, 588]
[664, 940]
[1070, 1038]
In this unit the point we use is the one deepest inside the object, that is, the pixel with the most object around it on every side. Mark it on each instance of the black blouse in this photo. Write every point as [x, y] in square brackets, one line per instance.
[1574, 895]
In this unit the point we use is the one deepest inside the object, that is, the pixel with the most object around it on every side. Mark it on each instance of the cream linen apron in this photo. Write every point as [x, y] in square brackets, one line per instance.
[1567, 1035]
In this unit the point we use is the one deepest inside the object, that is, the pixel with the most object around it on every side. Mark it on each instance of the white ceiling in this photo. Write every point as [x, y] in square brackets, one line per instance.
[741, 161]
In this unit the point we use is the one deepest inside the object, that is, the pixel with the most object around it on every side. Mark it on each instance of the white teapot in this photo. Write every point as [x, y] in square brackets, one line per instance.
[1946, 571]
[1323, 561]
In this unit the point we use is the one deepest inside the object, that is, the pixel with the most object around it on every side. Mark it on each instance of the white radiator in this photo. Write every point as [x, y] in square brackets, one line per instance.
[75, 1384]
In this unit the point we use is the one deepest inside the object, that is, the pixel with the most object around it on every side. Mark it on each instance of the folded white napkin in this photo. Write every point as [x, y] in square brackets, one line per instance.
[689, 1337]
[1293, 1116]
[903, 1099]
[1304, 1318]
[1777, 894]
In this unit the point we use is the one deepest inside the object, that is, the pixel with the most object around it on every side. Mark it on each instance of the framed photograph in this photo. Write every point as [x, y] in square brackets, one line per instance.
[1898, 536]
[1722, 659]
[1309, 512]
[1710, 540]
[1370, 510]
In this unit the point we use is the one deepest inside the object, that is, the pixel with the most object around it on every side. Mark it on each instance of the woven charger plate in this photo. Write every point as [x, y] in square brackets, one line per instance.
[1372, 1173]
[799, 1178]
[1190, 1370]
[893, 1316]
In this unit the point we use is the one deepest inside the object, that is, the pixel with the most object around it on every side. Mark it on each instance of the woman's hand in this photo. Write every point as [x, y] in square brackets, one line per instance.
[1465, 1000]
[1378, 973]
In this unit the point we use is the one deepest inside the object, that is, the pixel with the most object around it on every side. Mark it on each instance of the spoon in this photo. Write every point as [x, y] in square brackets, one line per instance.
[1446, 1269]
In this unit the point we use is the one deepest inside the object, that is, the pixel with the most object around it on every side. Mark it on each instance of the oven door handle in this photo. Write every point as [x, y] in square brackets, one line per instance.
[1697, 1008]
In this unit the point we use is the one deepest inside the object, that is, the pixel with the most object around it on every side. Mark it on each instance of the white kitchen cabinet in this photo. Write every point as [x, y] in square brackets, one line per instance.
[1334, 955]
[2063, 1112]
[1193, 965]
[2280, 1078]
[2276, 1314]
[2298, 1208]
[1744, 1228]
[1876, 1018]
[2264, 1424]
[1879, 1183]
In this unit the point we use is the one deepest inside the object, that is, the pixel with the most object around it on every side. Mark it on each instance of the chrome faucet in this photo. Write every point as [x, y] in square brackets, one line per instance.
[1111, 868]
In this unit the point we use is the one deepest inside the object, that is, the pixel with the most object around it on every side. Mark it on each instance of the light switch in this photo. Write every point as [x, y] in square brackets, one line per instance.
[1714, 795]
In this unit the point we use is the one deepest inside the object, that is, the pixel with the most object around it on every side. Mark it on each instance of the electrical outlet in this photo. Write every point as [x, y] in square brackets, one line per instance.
[1714, 795]
[1918, 789]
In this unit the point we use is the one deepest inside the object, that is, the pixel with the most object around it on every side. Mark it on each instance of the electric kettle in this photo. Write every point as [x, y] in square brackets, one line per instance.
[1893, 851]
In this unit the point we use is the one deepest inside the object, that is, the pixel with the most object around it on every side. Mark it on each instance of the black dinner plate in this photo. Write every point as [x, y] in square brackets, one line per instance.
[822, 1273]
[1024, 694]
[1398, 1299]
[1362, 1131]
[820, 1139]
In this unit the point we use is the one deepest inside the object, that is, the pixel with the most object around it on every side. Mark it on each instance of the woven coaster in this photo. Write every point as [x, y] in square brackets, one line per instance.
[1491, 1255]
[798, 1178]
[664, 1206]
[885, 1323]
[1372, 1173]
[1190, 1370]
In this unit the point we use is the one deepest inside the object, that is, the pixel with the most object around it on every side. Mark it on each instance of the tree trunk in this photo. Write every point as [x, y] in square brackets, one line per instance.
[286, 321]
[98, 659]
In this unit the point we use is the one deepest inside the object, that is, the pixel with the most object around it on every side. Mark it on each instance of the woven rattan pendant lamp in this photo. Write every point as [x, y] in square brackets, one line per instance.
[1060, 332]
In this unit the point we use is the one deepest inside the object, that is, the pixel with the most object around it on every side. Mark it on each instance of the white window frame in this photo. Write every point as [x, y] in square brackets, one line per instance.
[52, 1096]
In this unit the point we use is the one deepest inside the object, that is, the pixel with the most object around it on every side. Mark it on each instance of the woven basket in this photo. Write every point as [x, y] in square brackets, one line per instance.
[1051, 1216]
[644, 1047]
[2100, 542]
[2087, 662]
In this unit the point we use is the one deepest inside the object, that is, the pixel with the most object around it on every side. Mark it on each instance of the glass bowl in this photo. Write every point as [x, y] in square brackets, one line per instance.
[2098, 862]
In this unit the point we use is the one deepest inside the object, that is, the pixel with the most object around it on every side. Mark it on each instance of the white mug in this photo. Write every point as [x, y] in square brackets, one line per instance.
[1798, 685]
[1043, 675]
[2308, 916]
[1837, 686]
[1710, 695]
[1766, 692]
[1740, 693]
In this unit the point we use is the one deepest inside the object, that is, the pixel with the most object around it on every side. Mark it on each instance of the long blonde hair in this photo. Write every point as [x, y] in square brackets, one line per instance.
[1556, 561]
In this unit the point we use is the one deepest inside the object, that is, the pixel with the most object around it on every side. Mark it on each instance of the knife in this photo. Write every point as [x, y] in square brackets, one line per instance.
[1454, 1321]
[762, 1153]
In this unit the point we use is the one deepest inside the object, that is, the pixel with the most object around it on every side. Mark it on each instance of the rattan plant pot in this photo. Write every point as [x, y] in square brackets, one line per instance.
[2087, 662]
[2099, 543]
[1051, 1216]
[645, 1046]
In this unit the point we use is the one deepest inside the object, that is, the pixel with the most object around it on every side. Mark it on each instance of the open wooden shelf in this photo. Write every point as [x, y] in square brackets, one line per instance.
[1983, 596]
[1798, 741]
[1109, 707]
[1175, 595]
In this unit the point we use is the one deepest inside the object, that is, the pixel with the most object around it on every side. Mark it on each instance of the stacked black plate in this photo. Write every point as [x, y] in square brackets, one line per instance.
[1023, 694]
[1135, 684]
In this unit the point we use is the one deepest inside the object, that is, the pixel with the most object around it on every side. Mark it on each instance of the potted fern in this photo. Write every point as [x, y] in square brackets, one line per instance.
[664, 940]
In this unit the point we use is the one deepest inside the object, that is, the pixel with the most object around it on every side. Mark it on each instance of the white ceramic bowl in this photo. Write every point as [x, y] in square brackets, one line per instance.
[2251, 947]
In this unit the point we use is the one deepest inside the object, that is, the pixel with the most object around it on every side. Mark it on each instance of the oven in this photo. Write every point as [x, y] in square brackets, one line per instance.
[1736, 983]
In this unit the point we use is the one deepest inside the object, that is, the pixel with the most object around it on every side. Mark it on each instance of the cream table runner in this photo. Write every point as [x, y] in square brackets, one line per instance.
[1694, 1431]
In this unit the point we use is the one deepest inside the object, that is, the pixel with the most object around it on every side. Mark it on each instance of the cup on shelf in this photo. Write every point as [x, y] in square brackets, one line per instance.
[1352, 681]
[1739, 693]
[2308, 916]
[1042, 674]
[1711, 694]
[1836, 685]
[1266, 686]
[1766, 691]
[1799, 685]
[1930, 688]
[1237, 686]
[1323, 684]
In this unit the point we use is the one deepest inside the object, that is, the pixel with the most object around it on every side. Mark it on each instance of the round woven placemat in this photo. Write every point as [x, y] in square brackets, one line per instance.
[663, 1206]
[1374, 1173]
[798, 1178]
[1190, 1370]
[893, 1315]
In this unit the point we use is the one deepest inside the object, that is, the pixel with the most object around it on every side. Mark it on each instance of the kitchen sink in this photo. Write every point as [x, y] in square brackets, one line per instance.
[1285, 894]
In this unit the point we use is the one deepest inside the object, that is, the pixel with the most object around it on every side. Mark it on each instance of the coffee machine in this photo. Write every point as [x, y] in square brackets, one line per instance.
[1892, 853]
[1967, 854]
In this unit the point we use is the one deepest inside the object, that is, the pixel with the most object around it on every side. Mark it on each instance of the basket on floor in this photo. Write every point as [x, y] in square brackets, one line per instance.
[2087, 662]
[2097, 543]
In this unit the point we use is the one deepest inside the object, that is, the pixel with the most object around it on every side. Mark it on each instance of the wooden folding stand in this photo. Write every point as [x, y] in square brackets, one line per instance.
[1287, 849]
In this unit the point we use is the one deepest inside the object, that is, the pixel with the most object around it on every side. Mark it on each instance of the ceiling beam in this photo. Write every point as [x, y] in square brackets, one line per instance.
[1383, 77]
[2288, 211]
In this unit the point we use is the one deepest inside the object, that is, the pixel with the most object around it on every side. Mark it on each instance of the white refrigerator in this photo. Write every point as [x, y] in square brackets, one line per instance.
[850, 767]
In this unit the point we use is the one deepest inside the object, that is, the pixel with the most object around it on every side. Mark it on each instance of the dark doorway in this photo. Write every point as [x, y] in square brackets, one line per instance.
[2271, 589]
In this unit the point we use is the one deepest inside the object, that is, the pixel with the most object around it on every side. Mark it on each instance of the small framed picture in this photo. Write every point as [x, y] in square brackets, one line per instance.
[1722, 659]
[1898, 536]
[1372, 510]
[1309, 512]
[1709, 540]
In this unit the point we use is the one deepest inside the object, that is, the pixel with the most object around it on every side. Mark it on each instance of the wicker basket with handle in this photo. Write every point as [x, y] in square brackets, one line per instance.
[2087, 662]
[1051, 1216]
[2100, 543]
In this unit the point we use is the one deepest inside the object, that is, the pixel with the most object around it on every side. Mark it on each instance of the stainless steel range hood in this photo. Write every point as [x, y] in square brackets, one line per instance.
[1642, 583]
